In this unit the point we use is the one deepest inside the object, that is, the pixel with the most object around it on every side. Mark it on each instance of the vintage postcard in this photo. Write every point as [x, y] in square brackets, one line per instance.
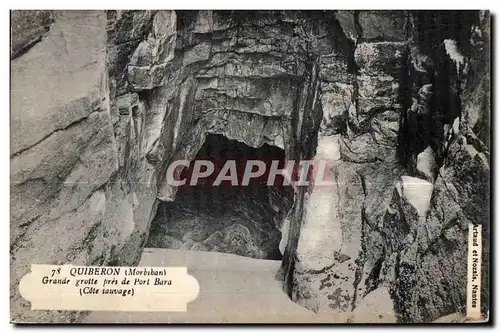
[265, 166]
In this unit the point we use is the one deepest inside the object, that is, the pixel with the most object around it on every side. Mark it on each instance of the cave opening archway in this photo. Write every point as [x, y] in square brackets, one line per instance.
[231, 218]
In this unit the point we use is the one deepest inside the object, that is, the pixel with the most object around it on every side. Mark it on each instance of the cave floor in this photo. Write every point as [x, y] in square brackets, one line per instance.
[232, 289]
[230, 220]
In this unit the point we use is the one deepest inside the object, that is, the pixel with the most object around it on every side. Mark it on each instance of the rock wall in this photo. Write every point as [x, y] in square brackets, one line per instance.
[413, 172]
[397, 101]
[82, 190]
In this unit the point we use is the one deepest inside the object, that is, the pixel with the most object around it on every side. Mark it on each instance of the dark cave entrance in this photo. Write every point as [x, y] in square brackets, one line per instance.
[242, 220]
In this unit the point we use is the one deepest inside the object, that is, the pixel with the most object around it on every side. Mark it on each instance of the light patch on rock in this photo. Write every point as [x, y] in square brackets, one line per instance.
[426, 163]
[394, 85]
[284, 235]
[279, 141]
[328, 148]
[418, 193]
[456, 125]
[453, 52]
[321, 233]
[97, 202]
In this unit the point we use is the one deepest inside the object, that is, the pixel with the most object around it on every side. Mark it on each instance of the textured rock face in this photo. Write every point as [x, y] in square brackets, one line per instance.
[402, 132]
[440, 238]
[62, 149]
[28, 27]
[396, 101]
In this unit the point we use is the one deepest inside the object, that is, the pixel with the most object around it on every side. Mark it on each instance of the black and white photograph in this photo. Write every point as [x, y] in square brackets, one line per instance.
[250, 166]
